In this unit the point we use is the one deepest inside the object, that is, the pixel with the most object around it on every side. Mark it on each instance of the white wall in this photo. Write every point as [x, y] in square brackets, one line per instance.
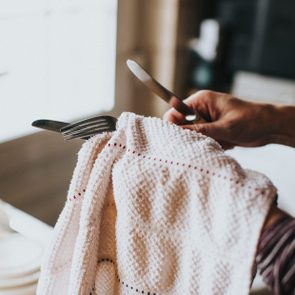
[57, 60]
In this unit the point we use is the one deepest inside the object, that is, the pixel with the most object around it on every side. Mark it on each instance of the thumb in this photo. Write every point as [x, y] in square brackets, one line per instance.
[213, 129]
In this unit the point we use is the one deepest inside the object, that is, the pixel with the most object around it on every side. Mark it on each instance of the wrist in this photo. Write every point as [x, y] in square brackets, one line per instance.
[282, 122]
[273, 215]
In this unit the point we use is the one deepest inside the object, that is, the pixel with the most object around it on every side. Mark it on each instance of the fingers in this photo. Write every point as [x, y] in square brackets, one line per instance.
[226, 145]
[200, 101]
[216, 111]
[174, 116]
[214, 129]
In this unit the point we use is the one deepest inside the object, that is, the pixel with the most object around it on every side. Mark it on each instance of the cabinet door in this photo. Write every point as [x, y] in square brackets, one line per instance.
[57, 60]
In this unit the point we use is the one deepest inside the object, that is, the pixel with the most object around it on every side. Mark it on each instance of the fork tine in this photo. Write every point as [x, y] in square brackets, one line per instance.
[84, 122]
[91, 129]
[86, 134]
[85, 126]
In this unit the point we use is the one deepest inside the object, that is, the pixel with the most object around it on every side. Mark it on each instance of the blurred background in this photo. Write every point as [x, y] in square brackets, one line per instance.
[65, 60]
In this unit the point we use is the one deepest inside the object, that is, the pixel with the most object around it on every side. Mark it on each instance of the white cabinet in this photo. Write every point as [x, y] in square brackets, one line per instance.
[57, 60]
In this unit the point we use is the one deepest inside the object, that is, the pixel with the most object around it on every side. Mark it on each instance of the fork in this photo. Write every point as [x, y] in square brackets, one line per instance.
[84, 129]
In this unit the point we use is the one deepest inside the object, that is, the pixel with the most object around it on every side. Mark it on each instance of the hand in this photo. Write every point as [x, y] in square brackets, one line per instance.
[230, 121]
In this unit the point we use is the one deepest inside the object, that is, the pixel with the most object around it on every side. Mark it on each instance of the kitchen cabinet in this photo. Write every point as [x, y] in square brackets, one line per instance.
[57, 60]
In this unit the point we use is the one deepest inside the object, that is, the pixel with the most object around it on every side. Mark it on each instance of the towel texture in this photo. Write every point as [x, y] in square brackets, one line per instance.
[155, 209]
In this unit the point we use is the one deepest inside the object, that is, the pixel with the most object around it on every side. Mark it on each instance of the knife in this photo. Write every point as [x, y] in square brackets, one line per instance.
[190, 114]
[49, 125]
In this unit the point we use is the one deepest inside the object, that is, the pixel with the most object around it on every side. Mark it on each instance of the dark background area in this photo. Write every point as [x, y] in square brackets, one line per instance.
[257, 36]
[260, 35]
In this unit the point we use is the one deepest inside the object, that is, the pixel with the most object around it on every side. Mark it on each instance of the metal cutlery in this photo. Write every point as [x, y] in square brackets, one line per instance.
[82, 129]
[190, 114]
[49, 125]
[89, 127]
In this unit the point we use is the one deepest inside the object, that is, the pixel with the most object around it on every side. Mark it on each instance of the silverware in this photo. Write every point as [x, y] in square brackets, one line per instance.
[189, 113]
[83, 129]
[49, 125]
[89, 127]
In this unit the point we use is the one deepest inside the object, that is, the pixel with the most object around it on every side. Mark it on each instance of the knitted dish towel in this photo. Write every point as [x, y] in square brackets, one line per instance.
[155, 209]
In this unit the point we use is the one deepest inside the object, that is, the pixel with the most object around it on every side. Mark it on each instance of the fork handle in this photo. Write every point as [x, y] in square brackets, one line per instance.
[49, 125]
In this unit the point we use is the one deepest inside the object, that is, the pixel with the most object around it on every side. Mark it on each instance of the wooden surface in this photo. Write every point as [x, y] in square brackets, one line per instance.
[35, 172]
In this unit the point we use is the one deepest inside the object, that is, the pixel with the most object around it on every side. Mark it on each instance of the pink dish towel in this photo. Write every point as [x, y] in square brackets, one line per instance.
[155, 209]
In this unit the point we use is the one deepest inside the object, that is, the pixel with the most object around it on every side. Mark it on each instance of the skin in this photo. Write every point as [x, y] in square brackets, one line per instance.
[234, 122]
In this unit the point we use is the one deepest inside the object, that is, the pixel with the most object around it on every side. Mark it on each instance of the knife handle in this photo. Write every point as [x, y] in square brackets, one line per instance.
[190, 114]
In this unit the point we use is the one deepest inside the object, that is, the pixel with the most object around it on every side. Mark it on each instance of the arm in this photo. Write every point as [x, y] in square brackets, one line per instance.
[284, 129]
[235, 122]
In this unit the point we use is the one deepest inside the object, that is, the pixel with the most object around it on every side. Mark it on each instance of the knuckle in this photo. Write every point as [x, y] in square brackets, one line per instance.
[206, 93]
[167, 115]
[200, 128]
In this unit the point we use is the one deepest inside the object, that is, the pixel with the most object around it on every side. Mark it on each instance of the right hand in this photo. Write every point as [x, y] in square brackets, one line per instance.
[230, 121]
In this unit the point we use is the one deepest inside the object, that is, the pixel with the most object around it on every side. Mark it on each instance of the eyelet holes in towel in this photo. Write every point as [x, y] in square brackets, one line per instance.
[125, 284]
[170, 162]
[76, 196]
[155, 159]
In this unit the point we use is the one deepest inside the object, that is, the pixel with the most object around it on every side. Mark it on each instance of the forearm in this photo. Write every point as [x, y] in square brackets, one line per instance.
[273, 215]
[283, 125]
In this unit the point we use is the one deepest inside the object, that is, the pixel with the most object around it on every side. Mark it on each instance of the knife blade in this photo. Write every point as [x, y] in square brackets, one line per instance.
[140, 73]
[49, 124]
